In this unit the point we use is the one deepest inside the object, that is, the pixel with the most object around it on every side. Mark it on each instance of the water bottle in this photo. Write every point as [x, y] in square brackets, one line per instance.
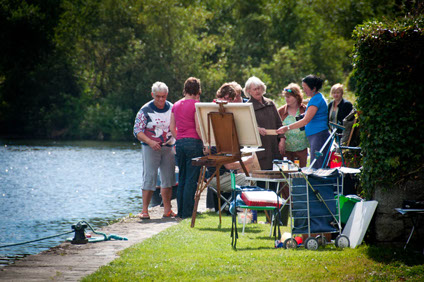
[285, 164]
[297, 162]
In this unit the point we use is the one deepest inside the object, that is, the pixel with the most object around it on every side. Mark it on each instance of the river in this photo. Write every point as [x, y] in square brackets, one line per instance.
[46, 186]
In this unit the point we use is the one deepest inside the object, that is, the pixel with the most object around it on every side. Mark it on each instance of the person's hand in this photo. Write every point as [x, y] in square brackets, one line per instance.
[206, 150]
[282, 130]
[282, 146]
[154, 145]
[262, 131]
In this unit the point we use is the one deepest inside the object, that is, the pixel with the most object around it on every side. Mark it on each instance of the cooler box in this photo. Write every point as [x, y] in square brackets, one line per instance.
[346, 207]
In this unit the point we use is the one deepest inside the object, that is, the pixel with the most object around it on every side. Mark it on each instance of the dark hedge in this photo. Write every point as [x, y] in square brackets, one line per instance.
[388, 73]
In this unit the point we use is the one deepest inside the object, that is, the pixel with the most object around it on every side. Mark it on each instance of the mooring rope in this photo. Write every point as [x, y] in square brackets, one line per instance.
[92, 240]
[35, 240]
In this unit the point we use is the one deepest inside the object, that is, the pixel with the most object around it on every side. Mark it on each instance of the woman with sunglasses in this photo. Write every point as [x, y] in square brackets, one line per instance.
[296, 144]
[315, 120]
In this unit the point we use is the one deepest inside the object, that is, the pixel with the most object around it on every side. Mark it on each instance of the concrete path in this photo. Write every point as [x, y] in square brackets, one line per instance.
[68, 262]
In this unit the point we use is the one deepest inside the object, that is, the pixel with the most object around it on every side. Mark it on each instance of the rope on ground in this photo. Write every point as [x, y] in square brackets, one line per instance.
[31, 241]
[106, 237]
[92, 240]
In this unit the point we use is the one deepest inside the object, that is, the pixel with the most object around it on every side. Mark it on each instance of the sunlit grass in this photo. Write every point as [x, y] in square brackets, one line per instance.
[205, 253]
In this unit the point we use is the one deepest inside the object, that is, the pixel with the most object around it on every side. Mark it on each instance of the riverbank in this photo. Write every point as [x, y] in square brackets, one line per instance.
[68, 262]
[46, 186]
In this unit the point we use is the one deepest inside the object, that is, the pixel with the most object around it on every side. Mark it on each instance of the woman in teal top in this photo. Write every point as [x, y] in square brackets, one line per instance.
[296, 144]
[315, 120]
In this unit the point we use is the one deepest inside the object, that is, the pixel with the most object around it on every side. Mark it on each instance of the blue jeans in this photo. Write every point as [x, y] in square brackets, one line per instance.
[316, 141]
[187, 148]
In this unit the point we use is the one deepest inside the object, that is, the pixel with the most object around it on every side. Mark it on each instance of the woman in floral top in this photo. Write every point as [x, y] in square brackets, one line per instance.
[296, 144]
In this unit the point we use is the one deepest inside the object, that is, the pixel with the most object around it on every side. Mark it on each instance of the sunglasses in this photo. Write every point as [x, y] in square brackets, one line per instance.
[288, 90]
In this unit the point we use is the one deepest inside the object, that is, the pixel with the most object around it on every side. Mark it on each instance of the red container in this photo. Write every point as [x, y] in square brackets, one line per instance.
[335, 160]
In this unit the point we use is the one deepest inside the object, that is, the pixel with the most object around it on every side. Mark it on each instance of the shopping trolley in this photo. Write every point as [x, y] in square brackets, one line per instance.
[314, 207]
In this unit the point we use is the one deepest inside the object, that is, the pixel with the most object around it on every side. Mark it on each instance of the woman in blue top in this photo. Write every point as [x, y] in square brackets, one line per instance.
[315, 120]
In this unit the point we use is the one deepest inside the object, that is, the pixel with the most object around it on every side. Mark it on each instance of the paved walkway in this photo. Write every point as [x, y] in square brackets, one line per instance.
[68, 262]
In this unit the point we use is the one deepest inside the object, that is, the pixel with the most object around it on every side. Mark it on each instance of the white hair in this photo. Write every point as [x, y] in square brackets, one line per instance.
[159, 87]
[253, 81]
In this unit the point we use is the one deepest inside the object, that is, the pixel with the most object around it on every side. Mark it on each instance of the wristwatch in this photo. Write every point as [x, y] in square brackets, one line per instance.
[288, 127]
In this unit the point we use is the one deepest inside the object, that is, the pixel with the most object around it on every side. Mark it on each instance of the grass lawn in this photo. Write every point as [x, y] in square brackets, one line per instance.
[204, 253]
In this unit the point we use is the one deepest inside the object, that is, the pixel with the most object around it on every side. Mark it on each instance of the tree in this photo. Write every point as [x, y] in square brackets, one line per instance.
[36, 81]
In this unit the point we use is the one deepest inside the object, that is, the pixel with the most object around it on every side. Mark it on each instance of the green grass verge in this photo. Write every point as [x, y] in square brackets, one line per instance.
[204, 253]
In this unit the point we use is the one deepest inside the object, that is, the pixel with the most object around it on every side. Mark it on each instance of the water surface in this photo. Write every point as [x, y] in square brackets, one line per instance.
[47, 186]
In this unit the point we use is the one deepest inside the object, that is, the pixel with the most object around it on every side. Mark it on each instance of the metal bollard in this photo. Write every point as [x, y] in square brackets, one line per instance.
[79, 237]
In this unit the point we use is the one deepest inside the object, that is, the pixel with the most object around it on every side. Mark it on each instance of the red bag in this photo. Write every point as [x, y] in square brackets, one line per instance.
[335, 160]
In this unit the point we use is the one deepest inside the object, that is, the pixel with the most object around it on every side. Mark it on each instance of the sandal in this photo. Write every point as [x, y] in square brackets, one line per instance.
[143, 216]
[170, 214]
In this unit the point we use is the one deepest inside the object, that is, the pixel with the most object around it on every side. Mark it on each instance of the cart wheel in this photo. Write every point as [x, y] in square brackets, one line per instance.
[321, 241]
[342, 241]
[290, 243]
[311, 244]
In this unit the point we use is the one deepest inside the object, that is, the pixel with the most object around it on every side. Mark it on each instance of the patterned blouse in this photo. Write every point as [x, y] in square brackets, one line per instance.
[295, 138]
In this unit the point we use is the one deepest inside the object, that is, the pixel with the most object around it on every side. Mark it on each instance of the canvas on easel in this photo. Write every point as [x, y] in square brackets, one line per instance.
[228, 127]
[244, 120]
[224, 132]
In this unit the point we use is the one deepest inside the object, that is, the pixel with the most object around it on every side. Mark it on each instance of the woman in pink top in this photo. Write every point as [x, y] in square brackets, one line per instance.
[185, 128]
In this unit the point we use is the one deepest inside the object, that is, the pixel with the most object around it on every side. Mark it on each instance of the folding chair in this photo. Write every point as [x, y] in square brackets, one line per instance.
[267, 201]
[332, 140]
[227, 201]
[225, 181]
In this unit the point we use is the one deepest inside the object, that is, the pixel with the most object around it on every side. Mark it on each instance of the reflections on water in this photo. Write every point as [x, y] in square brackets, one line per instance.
[45, 187]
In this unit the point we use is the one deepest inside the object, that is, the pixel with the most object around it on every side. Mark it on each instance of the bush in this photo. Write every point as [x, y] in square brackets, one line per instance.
[388, 65]
[105, 122]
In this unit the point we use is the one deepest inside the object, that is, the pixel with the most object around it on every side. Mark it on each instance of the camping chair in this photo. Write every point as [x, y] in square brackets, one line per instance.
[333, 140]
[227, 201]
[254, 199]
[226, 193]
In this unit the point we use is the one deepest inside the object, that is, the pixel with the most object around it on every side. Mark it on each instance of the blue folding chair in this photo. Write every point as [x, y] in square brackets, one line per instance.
[274, 208]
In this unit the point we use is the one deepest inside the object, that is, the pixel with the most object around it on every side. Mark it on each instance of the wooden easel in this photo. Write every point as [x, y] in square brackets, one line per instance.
[228, 151]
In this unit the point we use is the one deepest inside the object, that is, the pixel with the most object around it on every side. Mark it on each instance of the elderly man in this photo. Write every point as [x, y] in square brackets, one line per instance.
[151, 128]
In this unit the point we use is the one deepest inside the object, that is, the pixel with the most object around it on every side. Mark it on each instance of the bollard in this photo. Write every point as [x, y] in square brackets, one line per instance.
[79, 237]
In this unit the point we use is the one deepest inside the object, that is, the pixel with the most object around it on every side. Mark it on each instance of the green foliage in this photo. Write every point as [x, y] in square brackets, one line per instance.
[389, 64]
[204, 253]
[37, 82]
[105, 122]
[62, 58]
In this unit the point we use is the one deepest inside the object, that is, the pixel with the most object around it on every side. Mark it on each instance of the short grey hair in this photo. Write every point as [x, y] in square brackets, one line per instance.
[253, 81]
[159, 87]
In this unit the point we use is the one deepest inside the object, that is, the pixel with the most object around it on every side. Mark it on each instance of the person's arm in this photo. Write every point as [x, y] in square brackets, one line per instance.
[172, 126]
[262, 131]
[196, 121]
[347, 108]
[139, 127]
[310, 113]
[152, 143]
[282, 146]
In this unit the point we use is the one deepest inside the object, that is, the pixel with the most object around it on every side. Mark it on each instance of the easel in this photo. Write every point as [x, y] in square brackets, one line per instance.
[228, 151]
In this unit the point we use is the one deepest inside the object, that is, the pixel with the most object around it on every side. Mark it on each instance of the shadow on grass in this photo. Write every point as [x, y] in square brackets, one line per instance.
[217, 229]
[389, 255]
[228, 229]
[238, 249]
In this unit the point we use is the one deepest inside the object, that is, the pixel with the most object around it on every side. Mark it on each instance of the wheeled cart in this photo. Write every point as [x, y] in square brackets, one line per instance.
[314, 207]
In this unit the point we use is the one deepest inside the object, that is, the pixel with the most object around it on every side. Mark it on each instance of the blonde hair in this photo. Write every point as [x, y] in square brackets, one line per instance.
[336, 87]
[237, 87]
[293, 89]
